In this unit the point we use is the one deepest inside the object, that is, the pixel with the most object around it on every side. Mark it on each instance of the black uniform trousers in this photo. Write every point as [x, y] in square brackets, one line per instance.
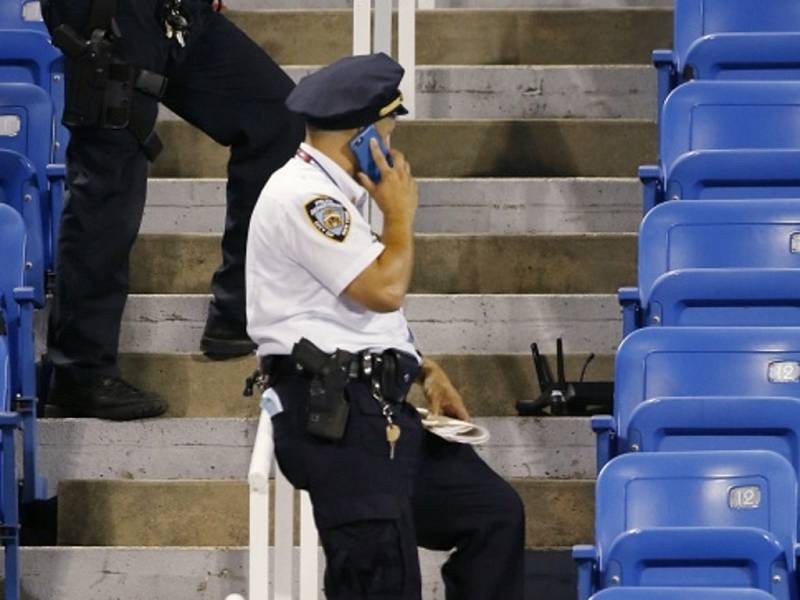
[372, 512]
[222, 83]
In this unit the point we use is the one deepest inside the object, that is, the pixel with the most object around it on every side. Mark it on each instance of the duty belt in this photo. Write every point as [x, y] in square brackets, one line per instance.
[393, 370]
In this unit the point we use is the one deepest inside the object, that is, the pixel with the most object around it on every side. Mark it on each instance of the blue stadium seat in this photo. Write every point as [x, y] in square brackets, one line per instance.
[711, 116]
[16, 339]
[28, 56]
[645, 593]
[731, 39]
[702, 519]
[21, 14]
[19, 189]
[711, 262]
[26, 118]
[17, 304]
[691, 362]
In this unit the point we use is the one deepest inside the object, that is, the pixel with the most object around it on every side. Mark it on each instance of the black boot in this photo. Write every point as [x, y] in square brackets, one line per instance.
[223, 340]
[110, 398]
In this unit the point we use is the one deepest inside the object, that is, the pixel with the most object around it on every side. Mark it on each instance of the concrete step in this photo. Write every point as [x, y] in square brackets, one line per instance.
[527, 92]
[589, 263]
[585, 4]
[473, 37]
[499, 206]
[220, 449]
[460, 324]
[490, 384]
[452, 149]
[215, 513]
[126, 573]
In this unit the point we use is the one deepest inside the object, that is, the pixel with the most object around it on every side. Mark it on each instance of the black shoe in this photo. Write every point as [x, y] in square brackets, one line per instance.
[110, 398]
[223, 340]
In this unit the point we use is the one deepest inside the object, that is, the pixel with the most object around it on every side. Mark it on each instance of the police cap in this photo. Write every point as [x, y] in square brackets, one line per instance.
[353, 92]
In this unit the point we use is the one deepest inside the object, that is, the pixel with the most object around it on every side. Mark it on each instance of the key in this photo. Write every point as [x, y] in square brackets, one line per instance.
[170, 31]
[179, 38]
[392, 435]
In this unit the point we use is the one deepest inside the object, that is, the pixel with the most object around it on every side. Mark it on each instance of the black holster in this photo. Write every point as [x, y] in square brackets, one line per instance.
[101, 87]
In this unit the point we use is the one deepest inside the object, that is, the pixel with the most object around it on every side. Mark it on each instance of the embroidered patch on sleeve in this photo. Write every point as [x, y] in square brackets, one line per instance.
[329, 217]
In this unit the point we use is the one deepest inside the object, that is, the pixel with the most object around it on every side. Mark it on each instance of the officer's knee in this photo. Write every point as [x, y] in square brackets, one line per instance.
[364, 559]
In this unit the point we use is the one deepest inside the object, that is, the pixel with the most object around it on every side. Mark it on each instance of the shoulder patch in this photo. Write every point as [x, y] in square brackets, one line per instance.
[329, 216]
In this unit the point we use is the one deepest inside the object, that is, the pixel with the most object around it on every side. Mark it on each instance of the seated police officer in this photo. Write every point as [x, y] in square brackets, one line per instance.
[324, 300]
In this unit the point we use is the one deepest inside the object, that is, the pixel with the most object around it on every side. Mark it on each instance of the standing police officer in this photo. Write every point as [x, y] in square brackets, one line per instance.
[323, 304]
[123, 56]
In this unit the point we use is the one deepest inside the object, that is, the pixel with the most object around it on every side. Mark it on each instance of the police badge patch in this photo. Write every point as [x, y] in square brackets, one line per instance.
[329, 217]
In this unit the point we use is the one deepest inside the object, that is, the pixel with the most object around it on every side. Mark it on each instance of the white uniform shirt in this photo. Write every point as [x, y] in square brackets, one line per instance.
[307, 243]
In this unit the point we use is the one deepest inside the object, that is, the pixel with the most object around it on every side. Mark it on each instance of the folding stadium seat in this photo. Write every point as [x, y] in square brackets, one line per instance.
[744, 119]
[16, 342]
[699, 362]
[645, 593]
[702, 519]
[26, 118]
[717, 263]
[28, 56]
[17, 304]
[731, 39]
[21, 14]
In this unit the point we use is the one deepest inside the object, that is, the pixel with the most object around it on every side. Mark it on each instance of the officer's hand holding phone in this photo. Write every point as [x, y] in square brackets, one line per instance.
[396, 194]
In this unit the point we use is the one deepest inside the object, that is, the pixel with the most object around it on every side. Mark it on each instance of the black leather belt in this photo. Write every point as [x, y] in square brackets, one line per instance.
[395, 370]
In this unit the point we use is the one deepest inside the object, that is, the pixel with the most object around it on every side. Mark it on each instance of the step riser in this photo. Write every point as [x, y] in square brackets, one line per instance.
[220, 449]
[197, 387]
[329, 4]
[446, 206]
[453, 149]
[563, 264]
[212, 574]
[525, 92]
[470, 37]
[442, 324]
[215, 513]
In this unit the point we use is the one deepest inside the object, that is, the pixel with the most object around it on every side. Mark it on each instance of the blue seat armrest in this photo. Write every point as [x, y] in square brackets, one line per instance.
[10, 419]
[667, 74]
[605, 428]
[56, 171]
[634, 550]
[24, 295]
[695, 171]
[586, 560]
[712, 53]
[650, 176]
[630, 301]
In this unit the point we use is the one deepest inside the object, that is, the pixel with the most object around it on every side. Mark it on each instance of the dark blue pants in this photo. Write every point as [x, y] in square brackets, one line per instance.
[222, 83]
[372, 512]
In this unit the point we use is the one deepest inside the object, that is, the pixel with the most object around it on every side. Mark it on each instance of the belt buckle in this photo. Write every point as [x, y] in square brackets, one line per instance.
[366, 364]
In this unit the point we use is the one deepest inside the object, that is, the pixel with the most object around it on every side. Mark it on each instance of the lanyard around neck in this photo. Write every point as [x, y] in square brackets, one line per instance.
[306, 157]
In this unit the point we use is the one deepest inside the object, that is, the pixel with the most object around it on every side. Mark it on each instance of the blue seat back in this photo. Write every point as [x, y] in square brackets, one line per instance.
[21, 14]
[657, 362]
[718, 234]
[650, 491]
[28, 56]
[696, 18]
[711, 115]
[632, 593]
[19, 189]
[716, 423]
[5, 370]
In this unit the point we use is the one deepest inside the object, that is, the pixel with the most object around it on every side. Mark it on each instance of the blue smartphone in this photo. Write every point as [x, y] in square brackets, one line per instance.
[360, 147]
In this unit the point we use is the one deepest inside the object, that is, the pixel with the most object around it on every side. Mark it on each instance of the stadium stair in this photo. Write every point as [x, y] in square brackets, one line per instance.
[532, 123]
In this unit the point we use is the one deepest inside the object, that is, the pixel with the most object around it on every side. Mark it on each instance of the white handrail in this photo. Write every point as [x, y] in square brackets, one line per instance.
[258, 479]
[366, 41]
